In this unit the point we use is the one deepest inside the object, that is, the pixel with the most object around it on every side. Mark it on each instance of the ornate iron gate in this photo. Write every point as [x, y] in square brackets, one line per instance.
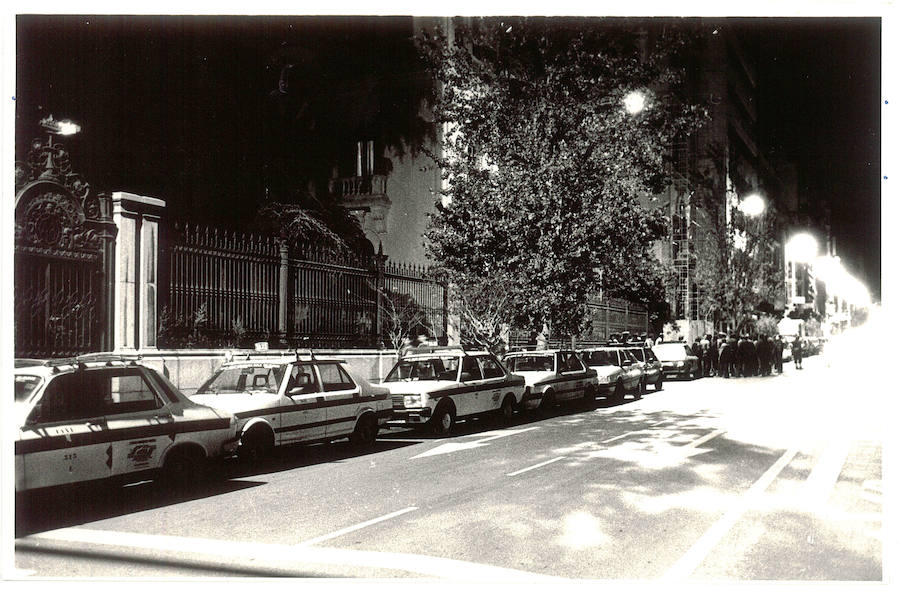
[64, 245]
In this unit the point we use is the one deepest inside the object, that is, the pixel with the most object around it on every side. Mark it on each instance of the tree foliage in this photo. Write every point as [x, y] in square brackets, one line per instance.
[544, 168]
[735, 258]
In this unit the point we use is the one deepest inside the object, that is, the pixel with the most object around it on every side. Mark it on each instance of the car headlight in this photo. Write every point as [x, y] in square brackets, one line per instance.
[680, 363]
[414, 400]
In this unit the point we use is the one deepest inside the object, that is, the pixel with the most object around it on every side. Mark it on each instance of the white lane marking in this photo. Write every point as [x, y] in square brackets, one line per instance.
[537, 466]
[703, 439]
[625, 435]
[685, 566]
[457, 446]
[155, 547]
[355, 527]
[824, 475]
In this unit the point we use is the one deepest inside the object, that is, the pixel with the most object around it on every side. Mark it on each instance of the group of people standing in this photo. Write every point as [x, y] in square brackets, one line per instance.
[728, 355]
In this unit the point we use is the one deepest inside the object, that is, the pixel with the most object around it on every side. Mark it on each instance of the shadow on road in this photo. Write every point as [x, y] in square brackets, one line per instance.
[72, 505]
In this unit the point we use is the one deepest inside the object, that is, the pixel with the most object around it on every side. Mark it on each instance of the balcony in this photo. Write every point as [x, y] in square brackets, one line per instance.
[366, 196]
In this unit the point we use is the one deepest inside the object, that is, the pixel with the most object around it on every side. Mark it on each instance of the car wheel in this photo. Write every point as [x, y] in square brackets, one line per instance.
[507, 410]
[366, 431]
[619, 393]
[180, 469]
[548, 401]
[640, 389]
[442, 421]
[256, 445]
[659, 383]
[590, 397]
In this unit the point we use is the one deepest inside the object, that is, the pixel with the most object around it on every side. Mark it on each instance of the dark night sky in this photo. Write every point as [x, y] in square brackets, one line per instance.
[172, 106]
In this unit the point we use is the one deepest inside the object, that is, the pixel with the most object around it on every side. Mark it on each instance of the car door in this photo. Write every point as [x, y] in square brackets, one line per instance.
[629, 365]
[494, 378]
[470, 400]
[139, 420]
[342, 400]
[571, 369]
[65, 438]
[303, 406]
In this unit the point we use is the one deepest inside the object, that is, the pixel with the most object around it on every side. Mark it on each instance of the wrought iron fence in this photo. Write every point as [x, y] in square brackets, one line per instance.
[232, 288]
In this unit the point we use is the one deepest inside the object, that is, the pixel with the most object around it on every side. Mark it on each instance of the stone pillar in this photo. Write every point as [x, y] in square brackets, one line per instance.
[135, 275]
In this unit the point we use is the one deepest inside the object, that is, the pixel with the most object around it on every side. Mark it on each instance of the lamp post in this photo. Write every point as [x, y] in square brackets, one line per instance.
[634, 102]
[801, 248]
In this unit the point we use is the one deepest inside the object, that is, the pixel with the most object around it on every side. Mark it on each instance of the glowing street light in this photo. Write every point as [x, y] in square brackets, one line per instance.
[634, 102]
[753, 205]
[62, 127]
[802, 247]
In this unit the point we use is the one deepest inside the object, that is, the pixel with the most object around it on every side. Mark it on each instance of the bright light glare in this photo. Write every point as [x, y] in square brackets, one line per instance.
[634, 102]
[752, 205]
[68, 128]
[802, 247]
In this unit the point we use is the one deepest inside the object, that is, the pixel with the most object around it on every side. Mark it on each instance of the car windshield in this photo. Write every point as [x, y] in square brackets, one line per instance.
[599, 358]
[240, 379]
[637, 353]
[541, 363]
[670, 351]
[437, 368]
[25, 386]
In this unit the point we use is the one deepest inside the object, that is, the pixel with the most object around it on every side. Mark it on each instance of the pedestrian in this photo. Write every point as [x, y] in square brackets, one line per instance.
[764, 354]
[733, 364]
[698, 353]
[706, 352]
[726, 357]
[648, 341]
[714, 354]
[659, 339]
[777, 353]
[797, 352]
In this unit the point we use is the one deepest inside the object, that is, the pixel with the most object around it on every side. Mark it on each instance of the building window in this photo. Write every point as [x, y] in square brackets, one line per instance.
[365, 158]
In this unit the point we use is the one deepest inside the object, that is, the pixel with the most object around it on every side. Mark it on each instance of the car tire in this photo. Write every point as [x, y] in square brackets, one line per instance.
[659, 383]
[507, 410]
[548, 401]
[639, 393]
[590, 397]
[181, 468]
[619, 392]
[365, 432]
[442, 421]
[256, 445]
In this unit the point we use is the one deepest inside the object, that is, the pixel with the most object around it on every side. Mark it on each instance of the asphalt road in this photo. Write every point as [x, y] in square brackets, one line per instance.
[767, 478]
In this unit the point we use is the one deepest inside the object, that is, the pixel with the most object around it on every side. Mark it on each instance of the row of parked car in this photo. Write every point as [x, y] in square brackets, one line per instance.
[107, 416]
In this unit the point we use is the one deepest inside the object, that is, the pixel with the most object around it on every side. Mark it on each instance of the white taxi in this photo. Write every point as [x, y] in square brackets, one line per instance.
[617, 369]
[553, 376]
[104, 416]
[293, 399]
[436, 385]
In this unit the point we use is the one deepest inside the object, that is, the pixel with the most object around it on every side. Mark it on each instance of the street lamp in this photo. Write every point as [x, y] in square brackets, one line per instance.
[634, 102]
[62, 127]
[802, 247]
[753, 205]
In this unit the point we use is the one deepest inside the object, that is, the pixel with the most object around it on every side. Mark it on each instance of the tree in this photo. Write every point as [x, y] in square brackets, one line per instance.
[543, 167]
[736, 264]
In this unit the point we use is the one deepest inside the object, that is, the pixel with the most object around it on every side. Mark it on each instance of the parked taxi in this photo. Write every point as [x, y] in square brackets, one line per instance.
[104, 417]
[552, 376]
[649, 364]
[677, 359]
[293, 399]
[617, 370]
[434, 386]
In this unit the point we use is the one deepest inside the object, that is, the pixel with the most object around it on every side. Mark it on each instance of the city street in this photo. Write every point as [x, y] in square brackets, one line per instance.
[764, 478]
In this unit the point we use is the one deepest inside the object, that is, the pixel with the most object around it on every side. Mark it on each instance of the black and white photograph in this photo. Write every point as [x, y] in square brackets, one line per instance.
[447, 295]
